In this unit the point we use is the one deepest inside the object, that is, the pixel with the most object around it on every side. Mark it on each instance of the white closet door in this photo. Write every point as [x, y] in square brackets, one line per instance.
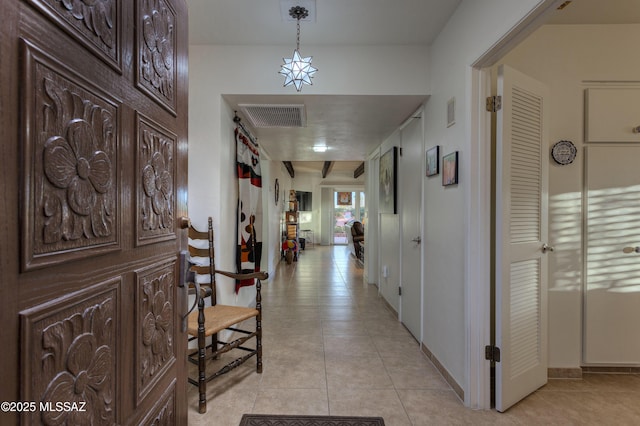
[612, 296]
[521, 232]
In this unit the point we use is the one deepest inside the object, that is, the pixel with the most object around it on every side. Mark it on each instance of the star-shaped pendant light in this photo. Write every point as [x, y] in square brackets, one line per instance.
[297, 70]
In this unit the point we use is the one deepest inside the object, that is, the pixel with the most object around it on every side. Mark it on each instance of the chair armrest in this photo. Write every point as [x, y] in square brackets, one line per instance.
[259, 275]
[205, 289]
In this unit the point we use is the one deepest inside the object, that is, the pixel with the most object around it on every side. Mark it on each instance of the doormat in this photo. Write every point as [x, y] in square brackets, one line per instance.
[288, 420]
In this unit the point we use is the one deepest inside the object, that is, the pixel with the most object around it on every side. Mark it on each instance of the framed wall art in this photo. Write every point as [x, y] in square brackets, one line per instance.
[433, 161]
[450, 169]
[344, 198]
[388, 181]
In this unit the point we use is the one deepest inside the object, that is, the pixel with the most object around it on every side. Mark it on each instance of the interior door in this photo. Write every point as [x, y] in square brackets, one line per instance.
[612, 291]
[521, 233]
[94, 146]
[411, 210]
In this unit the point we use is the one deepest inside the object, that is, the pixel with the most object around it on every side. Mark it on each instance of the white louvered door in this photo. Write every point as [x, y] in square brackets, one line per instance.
[521, 233]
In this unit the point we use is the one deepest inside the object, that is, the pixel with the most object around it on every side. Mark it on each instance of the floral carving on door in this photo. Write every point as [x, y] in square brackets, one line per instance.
[70, 165]
[70, 358]
[156, 173]
[156, 311]
[156, 51]
[95, 23]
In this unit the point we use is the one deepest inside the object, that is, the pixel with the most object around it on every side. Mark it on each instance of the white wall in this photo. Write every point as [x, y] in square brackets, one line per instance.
[473, 29]
[563, 57]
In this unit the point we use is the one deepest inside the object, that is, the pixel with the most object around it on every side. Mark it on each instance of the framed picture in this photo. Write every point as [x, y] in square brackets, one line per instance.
[433, 161]
[450, 169]
[344, 198]
[451, 112]
[388, 165]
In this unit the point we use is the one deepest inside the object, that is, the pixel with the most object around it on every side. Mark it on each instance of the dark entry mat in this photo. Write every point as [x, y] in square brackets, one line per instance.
[288, 420]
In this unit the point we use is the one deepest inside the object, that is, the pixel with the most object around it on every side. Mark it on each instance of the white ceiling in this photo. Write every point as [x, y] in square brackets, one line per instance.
[351, 125]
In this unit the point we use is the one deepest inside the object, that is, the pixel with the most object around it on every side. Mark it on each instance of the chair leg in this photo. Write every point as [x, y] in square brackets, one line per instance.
[258, 344]
[202, 372]
[259, 327]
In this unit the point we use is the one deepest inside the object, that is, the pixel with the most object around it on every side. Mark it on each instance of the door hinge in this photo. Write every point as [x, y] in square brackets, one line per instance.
[399, 291]
[400, 151]
[492, 353]
[494, 103]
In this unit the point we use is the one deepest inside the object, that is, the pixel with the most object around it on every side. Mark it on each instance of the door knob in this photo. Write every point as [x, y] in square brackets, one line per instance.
[546, 247]
[417, 240]
[631, 249]
[184, 222]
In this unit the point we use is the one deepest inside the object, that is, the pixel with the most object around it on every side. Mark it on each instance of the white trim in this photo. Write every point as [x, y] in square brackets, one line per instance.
[478, 250]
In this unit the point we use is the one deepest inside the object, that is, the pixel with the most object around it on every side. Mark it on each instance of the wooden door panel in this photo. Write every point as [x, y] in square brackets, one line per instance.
[69, 355]
[156, 180]
[95, 147]
[163, 413]
[71, 134]
[96, 25]
[156, 47]
[155, 325]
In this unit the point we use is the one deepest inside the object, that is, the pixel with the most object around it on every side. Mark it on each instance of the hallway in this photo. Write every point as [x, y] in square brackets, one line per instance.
[331, 346]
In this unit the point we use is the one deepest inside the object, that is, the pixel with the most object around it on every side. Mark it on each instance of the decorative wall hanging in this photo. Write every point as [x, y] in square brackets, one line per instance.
[450, 169]
[433, 161]
[388, 166]
[344, 198]
[564, 152]
[249, 240]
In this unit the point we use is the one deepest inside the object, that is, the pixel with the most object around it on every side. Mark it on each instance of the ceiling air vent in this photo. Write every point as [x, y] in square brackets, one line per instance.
[274, 115]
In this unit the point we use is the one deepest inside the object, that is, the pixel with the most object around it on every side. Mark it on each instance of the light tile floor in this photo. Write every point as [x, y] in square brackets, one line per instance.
[331, 346]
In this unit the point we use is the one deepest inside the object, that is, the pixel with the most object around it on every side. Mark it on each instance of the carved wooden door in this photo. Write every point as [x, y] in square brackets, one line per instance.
[93, 112]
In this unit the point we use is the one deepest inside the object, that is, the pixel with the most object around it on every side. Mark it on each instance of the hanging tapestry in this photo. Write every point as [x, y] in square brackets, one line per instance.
[249, 238]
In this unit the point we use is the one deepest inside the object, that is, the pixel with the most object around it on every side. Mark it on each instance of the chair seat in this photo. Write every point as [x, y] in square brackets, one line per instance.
[219, 317]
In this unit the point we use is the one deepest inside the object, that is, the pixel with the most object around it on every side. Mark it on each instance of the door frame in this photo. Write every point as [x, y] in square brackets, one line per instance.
[479, 261]
[417, 115]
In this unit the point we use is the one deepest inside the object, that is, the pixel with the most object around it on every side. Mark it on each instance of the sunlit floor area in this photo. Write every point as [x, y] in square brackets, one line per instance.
[332, 347]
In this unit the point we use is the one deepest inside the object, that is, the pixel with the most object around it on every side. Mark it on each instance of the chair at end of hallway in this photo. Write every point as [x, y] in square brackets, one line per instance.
[357, 232]
[208, 321]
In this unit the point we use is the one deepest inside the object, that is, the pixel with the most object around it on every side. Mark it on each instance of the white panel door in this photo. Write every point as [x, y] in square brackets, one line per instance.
[411, 173]
[612, 296]
[521, 232]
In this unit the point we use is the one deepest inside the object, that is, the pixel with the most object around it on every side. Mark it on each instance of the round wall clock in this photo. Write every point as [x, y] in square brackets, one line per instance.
[277, 191]
[563, 152]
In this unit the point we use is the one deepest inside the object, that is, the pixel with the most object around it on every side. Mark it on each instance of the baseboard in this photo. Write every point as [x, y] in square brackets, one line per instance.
[617, 370]
[388, 305]
[577, 373]
[445, 374]
[564, 373]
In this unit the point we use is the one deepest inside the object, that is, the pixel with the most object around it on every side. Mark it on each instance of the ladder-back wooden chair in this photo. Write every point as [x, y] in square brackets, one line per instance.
[208, 321]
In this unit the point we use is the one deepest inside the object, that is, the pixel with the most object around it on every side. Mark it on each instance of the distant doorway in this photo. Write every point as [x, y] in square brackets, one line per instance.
[348, 207]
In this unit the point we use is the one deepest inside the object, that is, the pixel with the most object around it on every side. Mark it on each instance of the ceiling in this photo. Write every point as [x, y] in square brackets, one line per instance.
[352, 126]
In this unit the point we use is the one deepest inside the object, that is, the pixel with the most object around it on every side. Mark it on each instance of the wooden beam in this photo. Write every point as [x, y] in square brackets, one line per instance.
[328, 165]
[359, 171]
[289, 167]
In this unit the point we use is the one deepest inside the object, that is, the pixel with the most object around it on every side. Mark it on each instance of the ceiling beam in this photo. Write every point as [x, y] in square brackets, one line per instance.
[289, 167]
[328, 165]
[359, 171]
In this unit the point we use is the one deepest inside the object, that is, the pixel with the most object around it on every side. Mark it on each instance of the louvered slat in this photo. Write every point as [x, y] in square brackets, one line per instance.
[525, 312]
[526, 167]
